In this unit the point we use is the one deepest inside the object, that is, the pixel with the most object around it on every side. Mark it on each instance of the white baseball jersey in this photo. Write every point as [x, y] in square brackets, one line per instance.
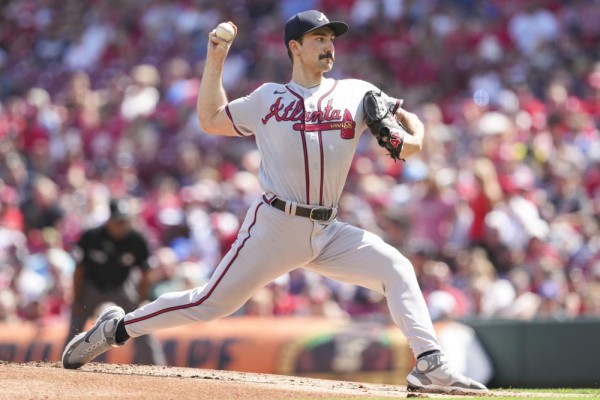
[307, 138]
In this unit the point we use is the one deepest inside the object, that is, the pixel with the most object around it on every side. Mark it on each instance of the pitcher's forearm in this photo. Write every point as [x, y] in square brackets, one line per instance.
[211, 96]
[413, 142]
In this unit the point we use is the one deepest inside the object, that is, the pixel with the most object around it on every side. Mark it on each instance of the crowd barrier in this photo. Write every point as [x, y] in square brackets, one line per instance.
[543, 353]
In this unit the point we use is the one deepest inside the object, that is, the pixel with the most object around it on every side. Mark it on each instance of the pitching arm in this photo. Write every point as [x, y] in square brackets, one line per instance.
[211, 95]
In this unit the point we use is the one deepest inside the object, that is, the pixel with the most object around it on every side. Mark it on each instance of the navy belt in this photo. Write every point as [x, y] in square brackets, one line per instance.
[314, 214]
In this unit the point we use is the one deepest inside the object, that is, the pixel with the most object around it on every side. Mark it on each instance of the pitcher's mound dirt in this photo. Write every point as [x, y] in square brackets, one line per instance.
[42, 380]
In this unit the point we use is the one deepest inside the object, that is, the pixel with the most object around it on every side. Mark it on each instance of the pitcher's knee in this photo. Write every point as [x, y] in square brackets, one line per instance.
[401, 271]
[213, 310]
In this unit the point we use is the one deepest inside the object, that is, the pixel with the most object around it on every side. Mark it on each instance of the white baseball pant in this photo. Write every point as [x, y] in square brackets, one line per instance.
[271, 243]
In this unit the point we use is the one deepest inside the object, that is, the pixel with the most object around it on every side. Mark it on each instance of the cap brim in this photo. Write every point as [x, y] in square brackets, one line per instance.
[338, 27]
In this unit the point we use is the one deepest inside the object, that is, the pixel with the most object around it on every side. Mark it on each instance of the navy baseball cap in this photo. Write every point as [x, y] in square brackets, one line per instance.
[307, 21]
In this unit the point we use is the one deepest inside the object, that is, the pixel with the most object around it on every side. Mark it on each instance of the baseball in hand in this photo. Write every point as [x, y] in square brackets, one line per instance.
[225, 31]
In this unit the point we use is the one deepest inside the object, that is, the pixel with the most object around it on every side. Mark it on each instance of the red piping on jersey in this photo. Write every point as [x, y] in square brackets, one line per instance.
[303, 136]
[396, 107]
[233, 123]
[306, 173]
[322, 168]
[207, 295]
[321, 143]
[269, 201]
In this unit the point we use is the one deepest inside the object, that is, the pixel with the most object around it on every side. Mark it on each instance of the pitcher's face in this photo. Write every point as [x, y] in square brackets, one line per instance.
[317, 51]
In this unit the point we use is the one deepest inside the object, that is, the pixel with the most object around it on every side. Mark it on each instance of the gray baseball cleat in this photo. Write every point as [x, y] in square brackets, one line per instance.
[86, 346]
[433, 374]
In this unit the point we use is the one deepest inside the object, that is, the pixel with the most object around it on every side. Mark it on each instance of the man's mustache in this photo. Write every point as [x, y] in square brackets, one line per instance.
[326, 55]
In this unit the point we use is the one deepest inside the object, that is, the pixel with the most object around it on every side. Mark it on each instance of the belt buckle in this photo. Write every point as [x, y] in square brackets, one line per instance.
[319, 216]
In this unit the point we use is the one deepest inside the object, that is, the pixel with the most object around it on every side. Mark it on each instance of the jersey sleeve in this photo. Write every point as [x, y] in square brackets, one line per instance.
[244, 112]
[393, 103]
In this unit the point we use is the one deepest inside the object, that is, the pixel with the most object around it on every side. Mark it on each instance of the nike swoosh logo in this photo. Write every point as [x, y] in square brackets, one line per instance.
[278, 92]
[87, 335]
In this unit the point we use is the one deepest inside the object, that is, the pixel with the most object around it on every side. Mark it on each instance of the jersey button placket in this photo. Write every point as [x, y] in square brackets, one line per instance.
[309, 106]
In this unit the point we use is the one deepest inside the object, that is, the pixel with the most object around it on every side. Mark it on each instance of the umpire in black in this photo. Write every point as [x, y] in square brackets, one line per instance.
[113, 266]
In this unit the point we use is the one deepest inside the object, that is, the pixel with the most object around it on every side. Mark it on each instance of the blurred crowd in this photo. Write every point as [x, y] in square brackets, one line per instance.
[500, 212]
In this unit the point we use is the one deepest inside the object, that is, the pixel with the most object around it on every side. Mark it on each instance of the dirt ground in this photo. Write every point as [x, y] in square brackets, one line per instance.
[49, 381]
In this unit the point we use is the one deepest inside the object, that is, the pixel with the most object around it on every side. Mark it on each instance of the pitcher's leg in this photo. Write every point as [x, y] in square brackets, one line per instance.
[266, 249]
[270, 243]
[362, 258]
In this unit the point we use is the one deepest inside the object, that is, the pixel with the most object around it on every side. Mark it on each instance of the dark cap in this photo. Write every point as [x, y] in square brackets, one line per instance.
[307, 21]
[120, 209]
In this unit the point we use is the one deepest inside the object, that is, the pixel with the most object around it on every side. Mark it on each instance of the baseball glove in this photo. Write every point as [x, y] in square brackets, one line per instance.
[383, 124]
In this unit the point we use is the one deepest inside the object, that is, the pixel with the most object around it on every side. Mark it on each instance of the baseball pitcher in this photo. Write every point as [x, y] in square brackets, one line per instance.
[307, 131]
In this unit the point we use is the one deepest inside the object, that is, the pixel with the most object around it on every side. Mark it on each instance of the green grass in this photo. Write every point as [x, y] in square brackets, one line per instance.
[537, 394]
[558, 390]
[563, 393]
